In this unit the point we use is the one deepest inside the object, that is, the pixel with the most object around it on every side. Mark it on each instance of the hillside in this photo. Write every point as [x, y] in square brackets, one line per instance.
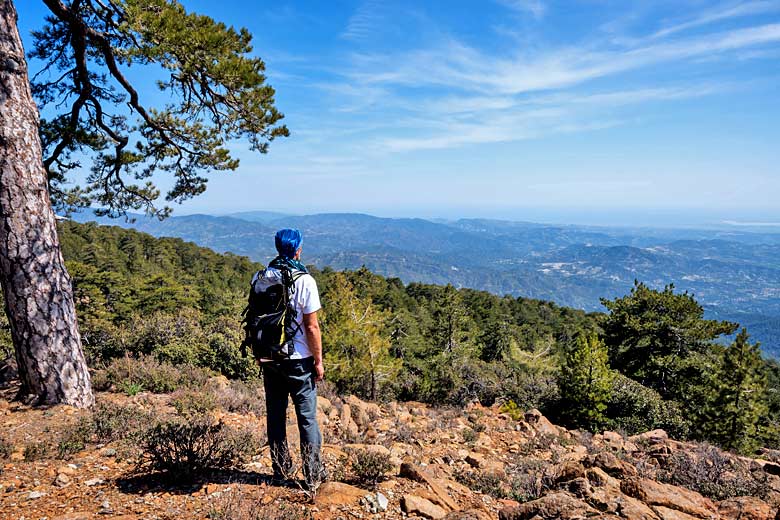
[736, 275]
[394, 461]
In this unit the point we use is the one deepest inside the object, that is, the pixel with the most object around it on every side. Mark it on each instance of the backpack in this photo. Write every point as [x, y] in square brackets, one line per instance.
[269, 318]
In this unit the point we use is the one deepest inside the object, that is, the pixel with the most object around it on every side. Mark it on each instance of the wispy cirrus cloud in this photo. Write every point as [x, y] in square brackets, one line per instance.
[720, 13]
[535, 7]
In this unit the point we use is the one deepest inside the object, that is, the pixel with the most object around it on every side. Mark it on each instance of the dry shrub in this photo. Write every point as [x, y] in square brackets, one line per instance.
[6, 448]
[148, 373]
[242, 397]
[36, 451]
[523, 479]
[369, 466]
[193, 402]
[239, 505]
[714, 474]
[183, 447]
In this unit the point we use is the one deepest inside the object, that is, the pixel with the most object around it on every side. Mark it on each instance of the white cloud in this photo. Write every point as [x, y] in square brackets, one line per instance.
[536, 7]
[720, 13]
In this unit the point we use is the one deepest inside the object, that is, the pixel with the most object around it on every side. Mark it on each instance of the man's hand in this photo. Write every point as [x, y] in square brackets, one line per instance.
[319, 372]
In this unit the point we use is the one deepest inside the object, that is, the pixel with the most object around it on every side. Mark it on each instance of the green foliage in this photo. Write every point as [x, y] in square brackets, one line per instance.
[586, 381]
[653, 335]
[215, 92]
[186, 447]
[356, 343]
[36, 451]
[633, 408]
[193, 402]
[147, 373]
[739, 399]
[510, 408]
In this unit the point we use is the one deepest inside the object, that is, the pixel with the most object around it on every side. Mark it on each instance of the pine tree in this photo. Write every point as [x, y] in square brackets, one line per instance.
[356, 345]
[739, 399]
[586, 381]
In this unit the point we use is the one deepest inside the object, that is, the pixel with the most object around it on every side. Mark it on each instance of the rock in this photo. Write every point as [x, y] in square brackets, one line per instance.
[657, 495]
[62, 480]
[611, 464]
[553, 506]
[33, 495]
[338, 494]
[664, 513]
[414, 505]
[82, 515]
[372, 448]
[414, 472]
[375, 503]
[93, 482]
[652, 437]
[568, 471]
[598, 477]
[540, 423]
[745, 508]
[108, 452]
[382, 502]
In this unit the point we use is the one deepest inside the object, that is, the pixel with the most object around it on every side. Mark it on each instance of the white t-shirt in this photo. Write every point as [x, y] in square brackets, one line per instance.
[306, 299]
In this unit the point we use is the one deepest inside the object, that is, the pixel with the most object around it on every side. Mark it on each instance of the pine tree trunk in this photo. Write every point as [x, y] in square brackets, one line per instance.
[36, 286]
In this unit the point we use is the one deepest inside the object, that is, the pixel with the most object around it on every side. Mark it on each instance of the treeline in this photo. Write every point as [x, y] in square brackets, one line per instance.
[650, 362]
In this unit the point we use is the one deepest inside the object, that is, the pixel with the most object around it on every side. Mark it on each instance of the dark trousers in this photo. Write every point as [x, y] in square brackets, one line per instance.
[292, 378]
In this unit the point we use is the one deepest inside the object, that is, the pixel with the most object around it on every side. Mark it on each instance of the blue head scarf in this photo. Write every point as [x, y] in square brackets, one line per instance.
[287, 243]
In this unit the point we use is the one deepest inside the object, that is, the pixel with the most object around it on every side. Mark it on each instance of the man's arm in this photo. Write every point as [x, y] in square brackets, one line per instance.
[313, 338]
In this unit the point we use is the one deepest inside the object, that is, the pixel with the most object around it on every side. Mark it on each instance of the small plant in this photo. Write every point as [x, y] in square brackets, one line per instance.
[469, 435]
[130, 388]
[185, 447]
[403, 433]
[75, 438]
[36, 451]
[193, 402]
[512, 410]
[369, 466]
[490, 483]
[153, 375]
[6, 448]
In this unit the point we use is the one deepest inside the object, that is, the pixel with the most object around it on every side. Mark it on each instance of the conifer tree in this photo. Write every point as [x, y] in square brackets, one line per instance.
[586, 381]
[357, 348]
[738, 402]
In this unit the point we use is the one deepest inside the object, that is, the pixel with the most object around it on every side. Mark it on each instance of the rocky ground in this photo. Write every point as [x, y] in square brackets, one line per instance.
[472, 464]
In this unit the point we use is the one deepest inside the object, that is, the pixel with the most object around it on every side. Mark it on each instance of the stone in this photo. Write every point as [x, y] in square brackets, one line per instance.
[657, 494]
[745, 508]
[338, 494]
[611, 464]
[664, 513]
[33, 495]
[652, 437]
[540, 423]
[414, 505]
[414, 472]
[553, 506]
[93, 482]
[62, 480]
[81, 515]
[471, 514]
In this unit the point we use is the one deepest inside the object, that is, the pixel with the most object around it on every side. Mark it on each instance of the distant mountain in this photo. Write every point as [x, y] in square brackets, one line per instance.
[735, 274]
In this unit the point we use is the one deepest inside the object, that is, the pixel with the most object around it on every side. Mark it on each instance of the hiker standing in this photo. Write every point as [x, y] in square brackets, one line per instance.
[284, 334]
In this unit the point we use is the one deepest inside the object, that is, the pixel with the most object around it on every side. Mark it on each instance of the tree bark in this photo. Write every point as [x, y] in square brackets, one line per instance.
[36, 286]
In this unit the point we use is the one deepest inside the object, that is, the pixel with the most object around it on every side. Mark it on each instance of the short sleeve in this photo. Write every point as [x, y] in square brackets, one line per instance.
[311, 296]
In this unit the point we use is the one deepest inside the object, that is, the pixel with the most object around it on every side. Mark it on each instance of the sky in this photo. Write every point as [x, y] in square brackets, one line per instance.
[579, 111]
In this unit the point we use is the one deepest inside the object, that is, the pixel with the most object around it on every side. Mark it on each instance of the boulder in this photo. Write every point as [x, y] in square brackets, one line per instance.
[471, 514]
[553, 506]
[338, 494]
[652, 437]
[611, 464]
[416, 473]
[667, 496]
[540, 423]
[414, 505]
[745, 508]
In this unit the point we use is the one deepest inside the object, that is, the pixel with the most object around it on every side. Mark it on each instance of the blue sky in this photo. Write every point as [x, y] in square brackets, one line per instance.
[585, 111]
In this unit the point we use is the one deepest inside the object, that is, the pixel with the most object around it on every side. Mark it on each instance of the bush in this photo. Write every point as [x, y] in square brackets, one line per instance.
[369, 466]
[714, 474]
[148, 373]
[634, 408]
[237, 505]
[193, 402]
[36, 451]
[487, 482]
[75, 438]
[6, 448]
[510, 408]
[185, 447]
[243, 397]
[111, 422]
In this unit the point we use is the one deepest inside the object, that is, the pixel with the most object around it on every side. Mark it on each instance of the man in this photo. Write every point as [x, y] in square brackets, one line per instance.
[294, 376]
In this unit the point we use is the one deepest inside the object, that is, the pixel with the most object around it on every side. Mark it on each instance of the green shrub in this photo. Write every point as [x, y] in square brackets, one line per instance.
[193, 402]
[148, 373]
[512, 410]
[707, 470]
[186, 447]
[369, 466]
[111, 422]
[36, 451]
[75, 438]
[469, 435]
[633, 408]
[488, 482]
